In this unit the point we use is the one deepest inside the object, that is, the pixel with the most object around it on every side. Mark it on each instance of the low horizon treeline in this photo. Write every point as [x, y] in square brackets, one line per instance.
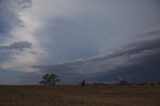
[151, 83]
[53, 79]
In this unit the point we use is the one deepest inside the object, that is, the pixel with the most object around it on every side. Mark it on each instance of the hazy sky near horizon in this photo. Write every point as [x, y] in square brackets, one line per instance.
[43, 33]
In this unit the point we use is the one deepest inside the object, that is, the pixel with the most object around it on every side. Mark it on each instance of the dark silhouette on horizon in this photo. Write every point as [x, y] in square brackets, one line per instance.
[83, 83]
[49, 79]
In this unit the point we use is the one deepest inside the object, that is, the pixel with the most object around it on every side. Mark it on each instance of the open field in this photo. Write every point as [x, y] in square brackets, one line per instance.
[79, 96]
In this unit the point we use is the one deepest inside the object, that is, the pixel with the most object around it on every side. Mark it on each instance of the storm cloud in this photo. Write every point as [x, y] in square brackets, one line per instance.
[127, 59]
[9, 15]
[16, 46]
[80, 39]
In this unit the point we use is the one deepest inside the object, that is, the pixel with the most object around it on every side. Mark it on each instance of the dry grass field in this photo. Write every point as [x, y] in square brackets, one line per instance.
[79, 96]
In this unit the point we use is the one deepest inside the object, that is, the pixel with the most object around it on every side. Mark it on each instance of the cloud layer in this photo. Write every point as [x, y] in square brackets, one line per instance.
[76, 38]
[16, 46]
[133, 56]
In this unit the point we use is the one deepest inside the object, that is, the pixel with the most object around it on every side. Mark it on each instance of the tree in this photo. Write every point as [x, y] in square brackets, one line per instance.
[83, 83]
[49, 79]
[123, 82]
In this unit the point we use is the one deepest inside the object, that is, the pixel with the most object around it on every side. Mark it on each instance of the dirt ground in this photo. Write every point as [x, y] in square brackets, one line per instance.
[80, 96]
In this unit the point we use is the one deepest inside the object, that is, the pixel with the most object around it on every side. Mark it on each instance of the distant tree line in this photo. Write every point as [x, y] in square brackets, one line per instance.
[53, 79]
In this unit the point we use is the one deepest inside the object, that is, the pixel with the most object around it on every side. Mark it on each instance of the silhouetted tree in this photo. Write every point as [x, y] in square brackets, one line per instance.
[49, 79]
[123, 82]
[83, 83]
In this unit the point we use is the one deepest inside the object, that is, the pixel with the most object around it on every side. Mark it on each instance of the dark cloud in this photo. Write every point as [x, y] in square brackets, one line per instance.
[140, 57]
[97, 37]
[16, 46]
[146, 70]
[71, 32]
[67, 40]
[25, 3]
[9, 15]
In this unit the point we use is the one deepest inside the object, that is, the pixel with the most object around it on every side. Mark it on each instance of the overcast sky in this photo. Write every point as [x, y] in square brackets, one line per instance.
[96, 39]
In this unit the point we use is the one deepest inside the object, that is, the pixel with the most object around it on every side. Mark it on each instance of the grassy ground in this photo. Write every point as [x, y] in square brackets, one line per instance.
[79, 96]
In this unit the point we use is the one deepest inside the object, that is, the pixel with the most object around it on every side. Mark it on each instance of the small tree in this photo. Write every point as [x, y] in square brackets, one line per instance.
[49, 79]
[123, 82]
[83, 83]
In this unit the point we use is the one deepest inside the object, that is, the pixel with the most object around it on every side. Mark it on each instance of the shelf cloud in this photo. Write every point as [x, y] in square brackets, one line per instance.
[74, 38]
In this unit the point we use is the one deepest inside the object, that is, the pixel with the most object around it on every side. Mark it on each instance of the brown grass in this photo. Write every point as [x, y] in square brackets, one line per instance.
[79, 96]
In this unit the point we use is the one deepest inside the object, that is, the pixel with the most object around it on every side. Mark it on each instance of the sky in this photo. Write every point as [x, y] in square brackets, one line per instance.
[95, 40]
